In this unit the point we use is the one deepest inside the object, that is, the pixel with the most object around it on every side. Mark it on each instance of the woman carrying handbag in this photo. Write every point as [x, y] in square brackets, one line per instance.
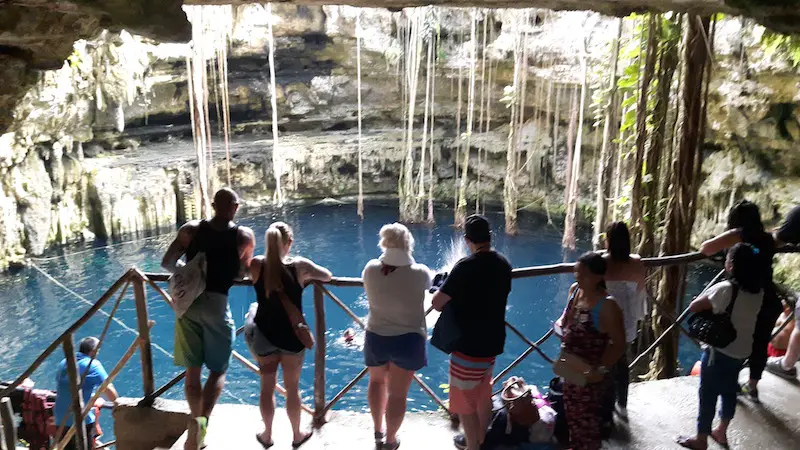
[725, 319]
[593, 341]
[277, 333]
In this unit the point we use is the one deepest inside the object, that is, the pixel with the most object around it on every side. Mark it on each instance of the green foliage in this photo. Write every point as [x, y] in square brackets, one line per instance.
[782, 44]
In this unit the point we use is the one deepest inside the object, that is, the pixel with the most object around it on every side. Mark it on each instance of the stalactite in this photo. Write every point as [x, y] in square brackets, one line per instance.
[360, 206]
[462, 196]
[277, 158]
[606, 151]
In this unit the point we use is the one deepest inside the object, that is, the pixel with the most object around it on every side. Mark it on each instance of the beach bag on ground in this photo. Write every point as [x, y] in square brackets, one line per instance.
[716, 330]
[187, 283]
[446, 332]
[518, 400]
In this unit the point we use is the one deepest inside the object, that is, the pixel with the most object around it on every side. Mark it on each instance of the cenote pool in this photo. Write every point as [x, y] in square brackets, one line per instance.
[34, 310]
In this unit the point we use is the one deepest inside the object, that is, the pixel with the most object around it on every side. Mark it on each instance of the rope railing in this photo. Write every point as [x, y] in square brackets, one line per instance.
[143, 343]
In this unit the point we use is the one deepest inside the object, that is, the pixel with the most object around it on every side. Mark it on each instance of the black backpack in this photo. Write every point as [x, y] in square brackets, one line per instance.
[716, 330]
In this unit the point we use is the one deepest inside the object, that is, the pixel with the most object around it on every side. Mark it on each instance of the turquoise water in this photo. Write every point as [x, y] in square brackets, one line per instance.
[34, 310]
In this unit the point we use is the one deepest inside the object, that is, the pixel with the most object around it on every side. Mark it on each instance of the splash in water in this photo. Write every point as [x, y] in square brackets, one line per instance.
[453, 252]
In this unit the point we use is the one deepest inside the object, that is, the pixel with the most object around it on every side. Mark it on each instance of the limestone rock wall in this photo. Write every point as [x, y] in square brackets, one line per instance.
[102, 147]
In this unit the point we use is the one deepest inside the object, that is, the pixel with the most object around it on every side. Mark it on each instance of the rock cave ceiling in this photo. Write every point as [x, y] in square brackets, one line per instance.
[38, 34]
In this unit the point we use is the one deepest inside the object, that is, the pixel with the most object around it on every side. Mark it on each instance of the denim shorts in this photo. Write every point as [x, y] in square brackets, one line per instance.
[406, 351]
[261, 346]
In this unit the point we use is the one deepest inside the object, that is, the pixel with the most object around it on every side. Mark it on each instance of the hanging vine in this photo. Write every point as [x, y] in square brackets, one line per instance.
[360, 206]
[461, 208]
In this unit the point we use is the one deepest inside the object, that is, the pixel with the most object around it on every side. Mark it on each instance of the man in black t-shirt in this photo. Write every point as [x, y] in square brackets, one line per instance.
[784, 366]
[477, 291]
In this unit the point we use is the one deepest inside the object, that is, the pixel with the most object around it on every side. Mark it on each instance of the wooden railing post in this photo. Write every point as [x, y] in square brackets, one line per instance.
[143, 322]
[9, 426]
[319, 360]
[75, 392]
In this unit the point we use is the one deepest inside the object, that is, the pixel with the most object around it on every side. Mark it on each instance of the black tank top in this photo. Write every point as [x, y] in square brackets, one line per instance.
[222, 255]
[271, 318]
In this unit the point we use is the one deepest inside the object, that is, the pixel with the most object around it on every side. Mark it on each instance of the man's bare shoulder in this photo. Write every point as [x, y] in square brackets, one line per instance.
[190, 226]
[246, 235]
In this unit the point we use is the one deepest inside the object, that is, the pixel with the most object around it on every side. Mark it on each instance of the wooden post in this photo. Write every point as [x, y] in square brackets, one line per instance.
[9, 427]
[319, 360]
[75, 392]
[142, 319]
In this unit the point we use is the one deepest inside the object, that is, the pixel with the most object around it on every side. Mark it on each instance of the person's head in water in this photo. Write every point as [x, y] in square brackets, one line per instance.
[590, 271]
[618, 241]
[88, 346]
[743, 267]
[225, 205]
[349, 335]
[744, 215]
[396, 235]
[477, 233]
[279, 237]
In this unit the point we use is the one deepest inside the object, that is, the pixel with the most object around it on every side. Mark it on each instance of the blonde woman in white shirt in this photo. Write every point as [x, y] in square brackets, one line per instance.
[394, 346]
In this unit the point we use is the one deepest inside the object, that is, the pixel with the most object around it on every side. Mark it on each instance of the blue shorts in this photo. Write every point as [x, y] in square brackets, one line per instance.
[406, 351]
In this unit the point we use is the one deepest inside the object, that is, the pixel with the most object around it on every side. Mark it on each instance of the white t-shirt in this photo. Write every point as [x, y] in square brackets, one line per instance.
[396, 297]
[743, 316]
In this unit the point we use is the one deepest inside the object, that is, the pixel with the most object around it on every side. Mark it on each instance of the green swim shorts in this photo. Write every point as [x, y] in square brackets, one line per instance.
[204, 334]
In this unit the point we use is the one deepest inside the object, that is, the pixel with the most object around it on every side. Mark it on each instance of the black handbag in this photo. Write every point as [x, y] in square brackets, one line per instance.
[716, 330]
[446, 332]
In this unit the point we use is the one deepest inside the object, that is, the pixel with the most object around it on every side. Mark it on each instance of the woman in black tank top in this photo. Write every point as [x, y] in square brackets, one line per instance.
[271, 335]
[744, 225]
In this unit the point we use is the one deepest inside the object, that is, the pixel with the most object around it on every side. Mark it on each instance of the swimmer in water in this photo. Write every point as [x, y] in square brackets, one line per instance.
[349, 335]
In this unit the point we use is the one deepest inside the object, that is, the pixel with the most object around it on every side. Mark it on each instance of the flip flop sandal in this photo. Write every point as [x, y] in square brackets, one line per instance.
[379, 437]
[393, 446]
[683, 441]
[303, 441]
[264, 444]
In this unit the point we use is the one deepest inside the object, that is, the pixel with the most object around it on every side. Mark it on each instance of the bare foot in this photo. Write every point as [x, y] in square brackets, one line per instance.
[720, 438]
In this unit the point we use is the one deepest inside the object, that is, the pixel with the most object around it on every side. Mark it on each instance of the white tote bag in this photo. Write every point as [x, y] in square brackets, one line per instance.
[187, 283]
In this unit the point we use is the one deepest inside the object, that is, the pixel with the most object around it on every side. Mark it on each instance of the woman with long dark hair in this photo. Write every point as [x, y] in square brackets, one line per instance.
[625, 283]
[277, 332]
[719, 370]
[745, 226]
[594, 331]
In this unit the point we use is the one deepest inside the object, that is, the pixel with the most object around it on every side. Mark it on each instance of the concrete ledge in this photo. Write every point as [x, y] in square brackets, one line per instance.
[148, 428]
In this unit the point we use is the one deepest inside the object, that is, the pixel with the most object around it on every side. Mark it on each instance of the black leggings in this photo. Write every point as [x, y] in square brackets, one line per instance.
[771, 309]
